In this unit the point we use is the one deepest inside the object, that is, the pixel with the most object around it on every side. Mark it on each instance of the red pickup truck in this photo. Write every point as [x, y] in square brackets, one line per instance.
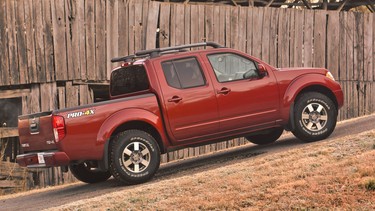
[170, 98]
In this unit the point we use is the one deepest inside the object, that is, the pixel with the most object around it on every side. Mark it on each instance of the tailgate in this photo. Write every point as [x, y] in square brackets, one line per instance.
[36, 132]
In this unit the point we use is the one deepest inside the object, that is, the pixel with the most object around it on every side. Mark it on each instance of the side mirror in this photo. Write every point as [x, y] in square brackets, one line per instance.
[262, 70]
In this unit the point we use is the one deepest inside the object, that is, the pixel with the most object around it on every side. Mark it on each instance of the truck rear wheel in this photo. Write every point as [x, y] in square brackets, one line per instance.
[315, 117]
[135, 157]
[85, 173]
[267, 137]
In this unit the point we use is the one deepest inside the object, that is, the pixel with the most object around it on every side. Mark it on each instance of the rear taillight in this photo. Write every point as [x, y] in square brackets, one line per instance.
[58, 127]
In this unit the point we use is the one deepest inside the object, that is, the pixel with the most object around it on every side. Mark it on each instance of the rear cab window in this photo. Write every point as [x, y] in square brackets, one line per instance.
[183, 73]
[130, 80]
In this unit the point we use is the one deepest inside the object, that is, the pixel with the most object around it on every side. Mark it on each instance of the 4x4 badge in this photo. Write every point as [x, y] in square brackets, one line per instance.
[81, 113]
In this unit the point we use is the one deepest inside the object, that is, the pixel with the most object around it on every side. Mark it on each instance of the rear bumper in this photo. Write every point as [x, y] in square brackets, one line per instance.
[43, 159]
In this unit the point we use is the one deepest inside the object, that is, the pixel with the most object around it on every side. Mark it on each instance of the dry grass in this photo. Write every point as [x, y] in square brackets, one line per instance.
[337, 174]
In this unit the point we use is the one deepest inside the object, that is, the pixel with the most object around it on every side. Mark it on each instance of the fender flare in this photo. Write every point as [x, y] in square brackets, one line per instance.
[121, 117]
[296, 87]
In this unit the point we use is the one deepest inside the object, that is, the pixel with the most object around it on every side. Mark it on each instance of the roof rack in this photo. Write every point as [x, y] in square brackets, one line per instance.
[152, 53]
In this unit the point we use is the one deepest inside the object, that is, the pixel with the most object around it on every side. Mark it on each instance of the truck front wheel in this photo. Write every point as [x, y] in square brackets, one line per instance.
[135, 157]
[85, 172]
[315, 117]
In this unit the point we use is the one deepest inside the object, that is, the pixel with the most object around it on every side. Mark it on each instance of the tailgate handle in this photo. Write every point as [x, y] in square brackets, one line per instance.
[34, 125]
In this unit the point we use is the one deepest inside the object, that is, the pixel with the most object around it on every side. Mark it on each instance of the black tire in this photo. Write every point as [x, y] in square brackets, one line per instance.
[315, 117]
[135, 157]
[85, 173]
[268, 137]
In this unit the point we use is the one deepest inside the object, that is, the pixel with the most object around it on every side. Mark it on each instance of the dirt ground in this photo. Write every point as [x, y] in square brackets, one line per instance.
[338, 174]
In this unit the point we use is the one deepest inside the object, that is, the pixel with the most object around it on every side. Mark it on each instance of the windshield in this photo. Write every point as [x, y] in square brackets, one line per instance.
[127, 80]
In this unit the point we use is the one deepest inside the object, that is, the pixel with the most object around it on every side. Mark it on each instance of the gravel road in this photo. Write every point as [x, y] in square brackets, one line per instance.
[61, 195]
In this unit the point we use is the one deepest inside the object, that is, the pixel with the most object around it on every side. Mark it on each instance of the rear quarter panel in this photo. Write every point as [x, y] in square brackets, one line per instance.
[89, 127]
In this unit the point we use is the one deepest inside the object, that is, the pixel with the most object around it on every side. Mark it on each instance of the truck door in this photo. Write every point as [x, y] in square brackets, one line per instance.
[245, 99]
[189, 100]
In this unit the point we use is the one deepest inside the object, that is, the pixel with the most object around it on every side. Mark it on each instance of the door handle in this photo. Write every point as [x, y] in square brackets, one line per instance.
[224, 91]
[175, 99]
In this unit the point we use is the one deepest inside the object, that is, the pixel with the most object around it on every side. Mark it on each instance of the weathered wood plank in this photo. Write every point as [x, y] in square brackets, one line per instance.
[362, 94]
[283, 39]
[373, 58]
[12, 42]
[178, 27]
[13, 93]
[292, 38]
[194, 27]
[333, 43]
[342, 75]
[61, 97]
[80, 26]
[298, 38]
[201, 15]
[131, 24]
[173, 29]
[90, 39]
[138, 26]
[216, 25]
[249, 35]
[319, 38]
[102, 71]
[73, 44]
[48, 94]
[368, 47]
[350, 28]
[256, 30]
[234, 27]
[221, 25]
[83, 94]
[4, 64]
[308, 38]
[123, 28]
[68, 12]
[33, 100]
[358, 46]
[265, 31]
[59, 40]
[209, 14]
[145, 14]
[8, 132]
[21, 42]
[152, 21]
[112, 39]
[72, 98]
[164, 34]
[273, 36]
[242, 30]
[48, 42]
[187, 25]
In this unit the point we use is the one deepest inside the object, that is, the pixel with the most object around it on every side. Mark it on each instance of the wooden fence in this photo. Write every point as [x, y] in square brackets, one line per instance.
[55, 47]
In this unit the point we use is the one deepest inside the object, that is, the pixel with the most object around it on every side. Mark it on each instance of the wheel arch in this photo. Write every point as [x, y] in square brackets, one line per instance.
[314, 83]
[130, 119]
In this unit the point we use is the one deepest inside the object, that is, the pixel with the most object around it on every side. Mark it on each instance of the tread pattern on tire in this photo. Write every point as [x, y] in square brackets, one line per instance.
[116, 143]
[301, 102]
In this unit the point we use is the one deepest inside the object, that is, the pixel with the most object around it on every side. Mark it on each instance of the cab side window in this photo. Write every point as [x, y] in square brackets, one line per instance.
[232, 67]
[183, 73]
